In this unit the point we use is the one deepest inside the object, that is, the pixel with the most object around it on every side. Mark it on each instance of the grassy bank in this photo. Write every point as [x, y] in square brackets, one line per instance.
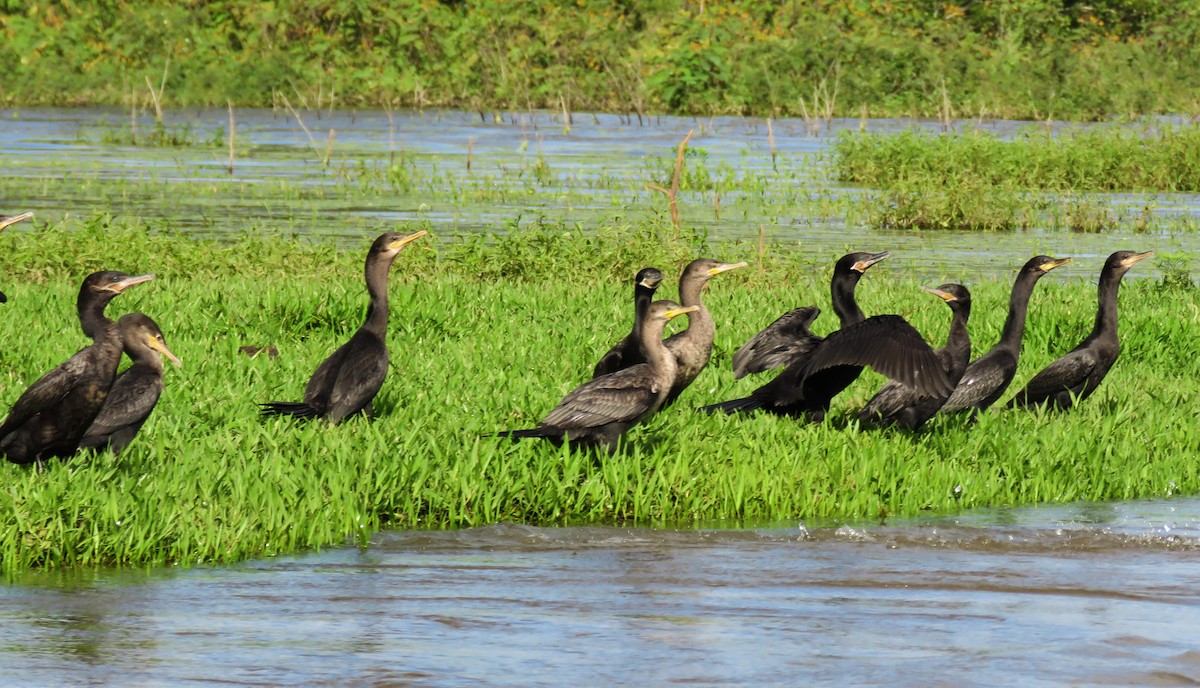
[1010, 58]
[477, 348]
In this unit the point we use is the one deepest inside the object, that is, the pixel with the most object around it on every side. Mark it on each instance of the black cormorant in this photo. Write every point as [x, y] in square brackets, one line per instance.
[788, 339]
[346, 382]
[986, 378]
[51, 416]
[136, 390]
[1076, 375]
[628, 351]
[599, 411]
[896, 404]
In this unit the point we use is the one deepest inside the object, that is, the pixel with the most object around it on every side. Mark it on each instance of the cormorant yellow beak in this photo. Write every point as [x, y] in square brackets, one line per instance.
[676, 312]
[650, 283]
[943, 295]
[1136, 258]
[6, 221]
[406, 240]
[1047, 267]
[726, 267]
[862, 265]
[161, 347]
[126, 283]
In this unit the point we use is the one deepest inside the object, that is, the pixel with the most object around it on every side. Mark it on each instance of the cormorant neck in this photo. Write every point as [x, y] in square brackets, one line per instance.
[700, 323]
[958, 338]
[1106, 314]
[377, 287]
[661, 360]
[91, 314]
[146, 357]
[642, 297]
[1018, 307]
[844, 304]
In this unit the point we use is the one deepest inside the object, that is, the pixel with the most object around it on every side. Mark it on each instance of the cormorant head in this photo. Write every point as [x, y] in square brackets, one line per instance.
[648, 278]
[111, 282]
[666, 310]
[137, 328]
[1123, 260]
[857, 263]
[1040, 265]
[387, 245]
[704, 268]
[955, 295]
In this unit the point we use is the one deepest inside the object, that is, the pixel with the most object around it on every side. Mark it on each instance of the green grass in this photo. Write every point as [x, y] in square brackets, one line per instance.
[1109, 158]
[486, 337]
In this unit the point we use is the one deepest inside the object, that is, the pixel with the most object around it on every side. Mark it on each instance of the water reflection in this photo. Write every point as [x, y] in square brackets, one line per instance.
[1090, 594]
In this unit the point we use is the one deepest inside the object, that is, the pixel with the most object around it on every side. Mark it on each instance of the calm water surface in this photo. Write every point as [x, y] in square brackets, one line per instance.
[1088, 594]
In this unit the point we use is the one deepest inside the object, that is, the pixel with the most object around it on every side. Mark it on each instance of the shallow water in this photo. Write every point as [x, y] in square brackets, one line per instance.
[1085, 594]
[597, 171]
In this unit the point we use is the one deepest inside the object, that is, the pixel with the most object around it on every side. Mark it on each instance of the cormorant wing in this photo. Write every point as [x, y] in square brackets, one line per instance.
[781, 343]
[45, 392]
[889, 345]
[623, 396]
[1068, 373]
[616, 357]
[358, 378]
[130, 401]
[982, 378]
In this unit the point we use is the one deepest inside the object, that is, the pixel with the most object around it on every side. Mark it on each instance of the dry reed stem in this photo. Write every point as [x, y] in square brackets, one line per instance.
[672, 194]
[232, 125]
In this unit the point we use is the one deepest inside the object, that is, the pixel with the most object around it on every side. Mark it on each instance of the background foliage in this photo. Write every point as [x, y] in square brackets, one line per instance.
[1014, 58]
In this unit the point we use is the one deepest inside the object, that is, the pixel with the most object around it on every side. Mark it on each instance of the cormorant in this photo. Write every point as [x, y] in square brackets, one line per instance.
[346, 382]
[628, 351]
[896, 404]
[788, 339]
[693, 347]
[51, 416]
[136, 390]
[5, 221]
[1075, 376]
[886, 343]
[986, 378]
[599, 411]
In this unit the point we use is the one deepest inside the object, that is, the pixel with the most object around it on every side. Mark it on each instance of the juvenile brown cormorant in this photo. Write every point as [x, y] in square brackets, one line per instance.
[136, 390]
[788, 339]
[1075, 376]
[693, 347]
[896, 404]
[51, 416]
[986, 378]
[628, 351]
[599, 411]
[347, 381]
[5, 221]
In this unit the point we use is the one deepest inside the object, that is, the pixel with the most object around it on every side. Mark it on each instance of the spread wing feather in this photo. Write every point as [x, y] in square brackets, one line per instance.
[889, 345]
[781, 343]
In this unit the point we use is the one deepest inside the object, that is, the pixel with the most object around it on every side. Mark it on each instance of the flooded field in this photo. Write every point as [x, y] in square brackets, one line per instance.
[344, 174]
[1087, 594]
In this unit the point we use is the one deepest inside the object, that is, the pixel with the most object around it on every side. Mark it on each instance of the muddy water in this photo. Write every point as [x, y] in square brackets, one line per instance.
[597, 170]
[1092, 594]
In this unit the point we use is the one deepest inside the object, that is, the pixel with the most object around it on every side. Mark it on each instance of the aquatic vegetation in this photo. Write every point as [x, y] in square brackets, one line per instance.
[1102, 158]
[207, 481]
